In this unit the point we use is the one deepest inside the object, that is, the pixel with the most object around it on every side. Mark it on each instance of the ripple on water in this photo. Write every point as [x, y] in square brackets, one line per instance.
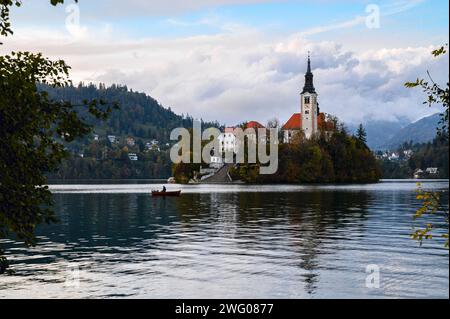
[231, 242]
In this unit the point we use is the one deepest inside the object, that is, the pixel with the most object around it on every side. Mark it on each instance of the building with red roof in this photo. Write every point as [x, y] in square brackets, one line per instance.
[294, 123]
[254, 125]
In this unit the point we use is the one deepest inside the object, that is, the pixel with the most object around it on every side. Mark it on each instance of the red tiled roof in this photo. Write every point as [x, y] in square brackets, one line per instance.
[229, 130]
[322, 123]
[320, 120]
[254, 124]
[294, 123]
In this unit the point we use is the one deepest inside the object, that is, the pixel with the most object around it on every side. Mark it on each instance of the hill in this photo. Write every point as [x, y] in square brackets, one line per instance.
[378, 132]
[141, 129]
[421, 131]
[389, 135]
[423, 156]
[139, 116]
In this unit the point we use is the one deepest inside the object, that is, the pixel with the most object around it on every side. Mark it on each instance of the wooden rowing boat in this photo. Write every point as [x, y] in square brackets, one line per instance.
[166, 193]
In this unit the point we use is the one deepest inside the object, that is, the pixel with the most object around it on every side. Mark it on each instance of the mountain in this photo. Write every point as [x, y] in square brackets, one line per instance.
[421, 131]
[390, 134]
[139, 116]
[140, 121]
[378, 132]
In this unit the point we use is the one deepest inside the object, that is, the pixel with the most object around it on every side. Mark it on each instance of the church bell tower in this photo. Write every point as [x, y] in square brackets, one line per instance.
[308, 104]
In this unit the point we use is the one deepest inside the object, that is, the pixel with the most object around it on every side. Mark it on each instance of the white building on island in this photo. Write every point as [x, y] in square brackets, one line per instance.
[227, 141]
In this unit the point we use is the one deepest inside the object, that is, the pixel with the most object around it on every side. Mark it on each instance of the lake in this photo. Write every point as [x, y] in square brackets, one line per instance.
[113, 240]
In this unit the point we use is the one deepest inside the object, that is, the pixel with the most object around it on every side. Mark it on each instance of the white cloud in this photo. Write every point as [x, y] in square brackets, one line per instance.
[401, 6]
[342, 25]
[384, 11]
[243, 75]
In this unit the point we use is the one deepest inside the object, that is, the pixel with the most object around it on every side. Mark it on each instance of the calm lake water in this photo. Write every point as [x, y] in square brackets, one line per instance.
[230, 241]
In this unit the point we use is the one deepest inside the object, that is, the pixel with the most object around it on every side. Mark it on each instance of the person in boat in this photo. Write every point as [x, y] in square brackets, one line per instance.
[164, 189]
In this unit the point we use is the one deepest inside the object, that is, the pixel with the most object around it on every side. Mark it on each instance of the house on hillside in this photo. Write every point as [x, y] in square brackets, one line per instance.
[112, 138]
[432, 170]
[131, 141]
[133, 156]
[394, 156]
[407, 154]
[152, 146]
[418, 173]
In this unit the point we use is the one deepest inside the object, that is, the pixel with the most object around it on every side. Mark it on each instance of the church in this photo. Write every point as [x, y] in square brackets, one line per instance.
[310, 120]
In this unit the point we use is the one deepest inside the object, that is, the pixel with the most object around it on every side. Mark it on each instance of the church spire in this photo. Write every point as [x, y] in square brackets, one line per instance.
[309, 62]
[309, 85]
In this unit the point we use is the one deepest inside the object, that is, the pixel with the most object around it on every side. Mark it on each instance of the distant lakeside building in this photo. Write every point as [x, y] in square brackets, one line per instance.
[112, 138]
[429, 172]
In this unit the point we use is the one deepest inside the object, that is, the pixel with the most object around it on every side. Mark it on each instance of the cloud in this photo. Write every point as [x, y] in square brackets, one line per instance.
[244, 74]
[342, 25]
[401, 6]
[390, 9]
[233, 79]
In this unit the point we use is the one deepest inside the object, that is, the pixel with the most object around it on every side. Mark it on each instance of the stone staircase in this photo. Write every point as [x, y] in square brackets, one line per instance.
[221, 176]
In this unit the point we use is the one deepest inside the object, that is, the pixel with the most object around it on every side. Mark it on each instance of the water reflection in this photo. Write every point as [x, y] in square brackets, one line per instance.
[302, 221]
[261, 244]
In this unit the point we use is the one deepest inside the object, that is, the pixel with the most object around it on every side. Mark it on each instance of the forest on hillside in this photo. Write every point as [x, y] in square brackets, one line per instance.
[424, 155]
[139, 115]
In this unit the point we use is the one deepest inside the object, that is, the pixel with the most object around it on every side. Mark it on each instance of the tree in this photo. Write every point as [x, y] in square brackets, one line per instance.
[436, 94]
[361, 134]
[431, 202]
[338, 158]
[33, 130]
[431, 205]
[273, 123]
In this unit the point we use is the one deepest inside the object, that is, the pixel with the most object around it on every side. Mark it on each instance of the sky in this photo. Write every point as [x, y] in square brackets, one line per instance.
[242, 60]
